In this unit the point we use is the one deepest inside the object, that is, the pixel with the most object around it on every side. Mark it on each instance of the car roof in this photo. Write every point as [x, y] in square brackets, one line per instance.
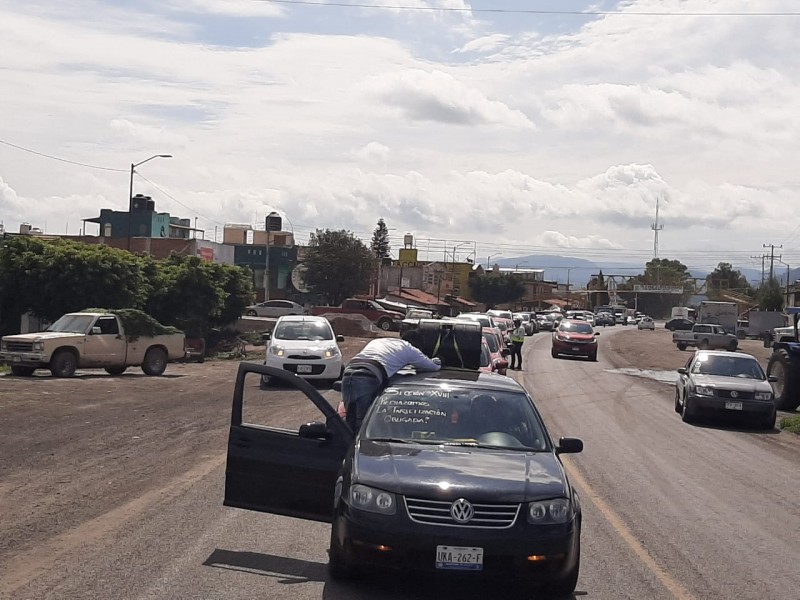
[456, 377]
[725, 353]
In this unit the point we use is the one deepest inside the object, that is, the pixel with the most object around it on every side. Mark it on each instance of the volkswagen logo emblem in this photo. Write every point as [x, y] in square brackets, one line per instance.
[462, 511]
[734, 394]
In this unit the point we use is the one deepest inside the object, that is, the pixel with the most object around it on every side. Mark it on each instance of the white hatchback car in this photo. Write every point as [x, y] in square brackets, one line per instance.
[306, 346]
[646, 323]
[275, 308]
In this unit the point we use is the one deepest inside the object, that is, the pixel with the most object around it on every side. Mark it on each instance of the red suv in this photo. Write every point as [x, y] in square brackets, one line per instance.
[576, 338]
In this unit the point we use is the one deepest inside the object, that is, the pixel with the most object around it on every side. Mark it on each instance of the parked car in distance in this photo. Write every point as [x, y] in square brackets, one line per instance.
[604, 318]
[484, 319]
[528, 322]
[705, 337]
[275, 309]
[723, 382]
[575, 338]
[506, 314]
[498, 351]
[679, 324]
[497, 491]
[387, 320]
[306, 346]
[646, 323]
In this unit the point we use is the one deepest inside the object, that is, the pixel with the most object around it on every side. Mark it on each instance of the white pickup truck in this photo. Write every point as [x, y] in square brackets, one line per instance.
[706, 337]
[92, 340]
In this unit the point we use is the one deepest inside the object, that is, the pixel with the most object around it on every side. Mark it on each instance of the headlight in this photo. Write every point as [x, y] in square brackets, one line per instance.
[550, 512]
[331, 352]
[704, 390]
[371, 500]
[277, 350]
[38, 346]
[763, 395]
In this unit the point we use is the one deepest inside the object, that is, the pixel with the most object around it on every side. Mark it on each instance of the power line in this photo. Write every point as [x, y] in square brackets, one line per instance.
[173, 198]
[511, 11]
[72, 162]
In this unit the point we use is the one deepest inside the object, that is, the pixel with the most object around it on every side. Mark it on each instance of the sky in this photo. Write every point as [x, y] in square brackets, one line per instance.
[504, 127]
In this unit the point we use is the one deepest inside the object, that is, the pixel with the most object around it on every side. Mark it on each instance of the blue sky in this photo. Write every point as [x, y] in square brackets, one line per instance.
[527, 134]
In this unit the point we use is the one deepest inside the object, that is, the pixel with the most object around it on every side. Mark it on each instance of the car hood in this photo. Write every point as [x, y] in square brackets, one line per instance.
[310, 345]
[41, 336]
[578, 337]
[739, 384]
[449, 472]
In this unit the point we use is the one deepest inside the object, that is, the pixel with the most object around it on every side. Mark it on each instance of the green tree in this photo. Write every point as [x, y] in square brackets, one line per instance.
[770, 295]
[51, 277]
[195, 295]
[338, 265]
[380, 240]
[659, 272]
[494, 289]
[725, 277]
[598, 290]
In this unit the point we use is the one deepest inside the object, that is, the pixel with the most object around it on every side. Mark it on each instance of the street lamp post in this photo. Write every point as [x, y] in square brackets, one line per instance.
[488, 258]
[268, 227]
[130, 192]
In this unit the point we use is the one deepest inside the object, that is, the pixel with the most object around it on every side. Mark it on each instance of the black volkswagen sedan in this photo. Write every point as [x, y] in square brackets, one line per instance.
[452, 472]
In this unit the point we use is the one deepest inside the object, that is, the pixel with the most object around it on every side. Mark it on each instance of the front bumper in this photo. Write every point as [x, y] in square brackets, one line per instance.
[23, 359]
[397, 543]
[714, 404]
[575, 348]
[323, 368]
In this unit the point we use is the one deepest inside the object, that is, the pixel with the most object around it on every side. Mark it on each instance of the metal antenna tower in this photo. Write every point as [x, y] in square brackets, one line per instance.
[656, 228]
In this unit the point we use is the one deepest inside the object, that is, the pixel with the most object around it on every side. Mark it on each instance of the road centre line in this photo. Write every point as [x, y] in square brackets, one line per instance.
[669, 582]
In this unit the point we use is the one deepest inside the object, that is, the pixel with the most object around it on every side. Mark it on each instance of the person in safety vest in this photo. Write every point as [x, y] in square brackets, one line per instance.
[517, 339]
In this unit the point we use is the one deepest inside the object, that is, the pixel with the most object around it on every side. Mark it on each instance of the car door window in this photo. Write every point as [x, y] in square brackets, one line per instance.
[108, 325]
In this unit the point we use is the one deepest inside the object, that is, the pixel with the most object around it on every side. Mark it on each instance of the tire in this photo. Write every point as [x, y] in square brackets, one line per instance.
[63, 364]
[553, 353]
[155, 362]
[384, 324]
[593, 357]
[768, 422]
[681, 346]
[733, 346]
[786, 368]
[115, 370]
[677, 400]
[264, 383]
[565, 586]
[22, 371]
[687, 415]
[703, 345]
[252, 313]
[338, 567]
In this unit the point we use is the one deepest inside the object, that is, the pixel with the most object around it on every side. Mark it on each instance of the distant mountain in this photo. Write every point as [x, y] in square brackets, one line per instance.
[578, 271]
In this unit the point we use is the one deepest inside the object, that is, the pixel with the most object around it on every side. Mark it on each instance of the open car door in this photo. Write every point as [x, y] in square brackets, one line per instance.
[283, 470]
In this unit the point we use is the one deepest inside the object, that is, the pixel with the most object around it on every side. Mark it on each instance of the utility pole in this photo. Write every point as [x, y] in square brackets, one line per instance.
[772, 259]
[656, 228]
[762, 257]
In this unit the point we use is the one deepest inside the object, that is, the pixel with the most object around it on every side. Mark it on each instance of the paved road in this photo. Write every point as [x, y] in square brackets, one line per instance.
[109, 494]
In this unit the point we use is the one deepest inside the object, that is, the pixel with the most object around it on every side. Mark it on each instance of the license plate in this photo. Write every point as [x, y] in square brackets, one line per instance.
[16, 359]
[304, 368]
[733, 405]
[576, 349]
[460, 558]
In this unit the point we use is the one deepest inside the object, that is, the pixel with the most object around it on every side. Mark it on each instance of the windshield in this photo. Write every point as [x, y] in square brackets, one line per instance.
[303, 330]
[456, 416]
[728, 366]
[574, 327]
[72, 324]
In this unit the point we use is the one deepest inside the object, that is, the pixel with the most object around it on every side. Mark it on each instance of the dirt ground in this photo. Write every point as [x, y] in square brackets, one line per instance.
[654, 350]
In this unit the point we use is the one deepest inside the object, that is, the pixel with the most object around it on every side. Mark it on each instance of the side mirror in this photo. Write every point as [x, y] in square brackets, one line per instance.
[337, 386]
[682, 370]
[316, 431]
[96, 331]
[772, 378]
[597, 333]
[339, 338]
[266, 336]
[567, 445]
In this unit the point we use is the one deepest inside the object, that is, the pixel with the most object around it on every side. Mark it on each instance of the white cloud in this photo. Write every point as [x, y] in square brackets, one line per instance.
[236, 8]
[487, 43]
[559, 240]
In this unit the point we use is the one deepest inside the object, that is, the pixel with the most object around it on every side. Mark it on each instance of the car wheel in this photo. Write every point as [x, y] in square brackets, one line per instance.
[681, 346]
[677, 400]
[732, 346]
[768, 422]
[385, 324]
[63, 364]
[115, 370]
[687, 416]
[338, 567]
[593, 357]
[703, 345]
[564, 587]
[787, 369]
[251, 313]
[553, 353]
[264, 383]
[155, 362]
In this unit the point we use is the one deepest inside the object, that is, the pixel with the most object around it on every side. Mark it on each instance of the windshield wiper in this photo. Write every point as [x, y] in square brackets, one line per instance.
[390, 439]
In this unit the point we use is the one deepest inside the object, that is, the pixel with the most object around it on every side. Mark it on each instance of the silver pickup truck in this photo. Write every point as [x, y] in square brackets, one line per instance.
[706, 337]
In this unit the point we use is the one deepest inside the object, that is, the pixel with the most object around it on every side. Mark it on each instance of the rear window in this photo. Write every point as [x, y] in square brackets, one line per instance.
[456, 416]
